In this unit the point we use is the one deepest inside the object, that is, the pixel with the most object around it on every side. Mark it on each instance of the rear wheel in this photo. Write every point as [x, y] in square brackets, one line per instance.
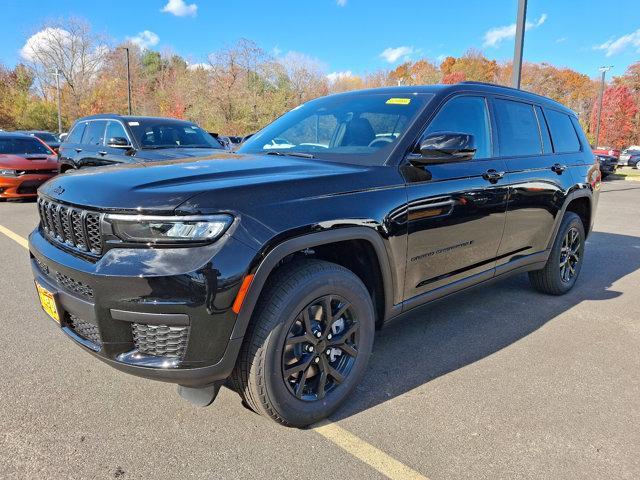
[308, 344]
[565, 260]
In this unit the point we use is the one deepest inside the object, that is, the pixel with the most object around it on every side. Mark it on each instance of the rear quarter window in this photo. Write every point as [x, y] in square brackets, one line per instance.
[563, 135]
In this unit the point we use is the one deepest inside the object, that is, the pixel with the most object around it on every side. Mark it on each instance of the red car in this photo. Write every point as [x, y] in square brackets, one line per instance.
[612, 152]
[25, 163]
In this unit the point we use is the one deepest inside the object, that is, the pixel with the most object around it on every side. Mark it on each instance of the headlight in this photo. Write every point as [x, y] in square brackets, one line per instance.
[8, 173]
[150, 229]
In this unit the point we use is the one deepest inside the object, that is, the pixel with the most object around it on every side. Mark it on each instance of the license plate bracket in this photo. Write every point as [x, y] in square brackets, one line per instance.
[48, 302]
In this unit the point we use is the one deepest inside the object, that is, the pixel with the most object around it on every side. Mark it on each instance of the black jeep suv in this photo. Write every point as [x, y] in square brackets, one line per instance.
[110, 138]
[270, 268]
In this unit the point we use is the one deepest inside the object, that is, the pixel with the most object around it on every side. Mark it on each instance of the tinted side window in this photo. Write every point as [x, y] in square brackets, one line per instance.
[75, 136]
[517, 128]
[564, 136]
[94, 133]
[114, 130]
[465, 114]
[544, 131]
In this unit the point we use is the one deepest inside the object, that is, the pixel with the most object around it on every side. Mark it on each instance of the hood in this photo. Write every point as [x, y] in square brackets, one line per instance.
[151, 155]
[163, 186]
[28, 162]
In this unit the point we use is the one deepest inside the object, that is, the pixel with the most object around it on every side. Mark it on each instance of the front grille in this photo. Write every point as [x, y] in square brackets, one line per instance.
[74, 227]
[160, 340]
[74, 285]
[86, 330]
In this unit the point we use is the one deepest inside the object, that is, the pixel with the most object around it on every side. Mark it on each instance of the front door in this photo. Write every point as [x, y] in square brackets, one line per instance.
[456, 211]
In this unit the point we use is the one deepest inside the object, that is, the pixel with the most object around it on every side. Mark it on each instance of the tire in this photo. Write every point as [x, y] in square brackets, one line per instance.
[261, 372]
[553, 279]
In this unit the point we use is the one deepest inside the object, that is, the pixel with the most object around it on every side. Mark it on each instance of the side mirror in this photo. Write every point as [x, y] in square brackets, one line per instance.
[445, 147]
[118, 142]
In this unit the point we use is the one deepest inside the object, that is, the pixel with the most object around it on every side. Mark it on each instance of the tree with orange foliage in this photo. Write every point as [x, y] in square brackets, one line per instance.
[618, 112]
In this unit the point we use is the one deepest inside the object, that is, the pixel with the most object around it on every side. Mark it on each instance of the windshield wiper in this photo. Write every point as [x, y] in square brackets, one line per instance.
[290, 154]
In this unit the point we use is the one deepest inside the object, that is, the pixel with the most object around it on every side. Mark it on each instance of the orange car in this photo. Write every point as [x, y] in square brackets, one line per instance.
[25, 163]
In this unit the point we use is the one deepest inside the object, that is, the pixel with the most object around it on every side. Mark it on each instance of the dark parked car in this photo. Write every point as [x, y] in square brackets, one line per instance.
[51, 139]
[108, 139]
[269, 269]
[608, 164]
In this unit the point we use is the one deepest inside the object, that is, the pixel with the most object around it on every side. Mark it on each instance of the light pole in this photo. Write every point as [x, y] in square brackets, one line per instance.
[126, 49]
[517, 52]
[604, 71]
[57, 73]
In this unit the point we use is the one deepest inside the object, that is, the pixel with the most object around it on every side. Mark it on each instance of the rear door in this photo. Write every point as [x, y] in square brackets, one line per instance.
[456, 211]
[539, 179]
[92, 147]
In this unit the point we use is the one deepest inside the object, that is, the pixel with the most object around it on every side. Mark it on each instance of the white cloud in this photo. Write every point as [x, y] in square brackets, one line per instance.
[199, 66]
[180, 9]
[45, 39]
[341, 3]
[561, 40]
[335, 76]
[392, 55]
[495, 36]
[145, 40]
[619, 45]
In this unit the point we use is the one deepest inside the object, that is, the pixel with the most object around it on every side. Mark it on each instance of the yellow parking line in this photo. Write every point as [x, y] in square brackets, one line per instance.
[15, 237]
[363, 451]
[350, 443]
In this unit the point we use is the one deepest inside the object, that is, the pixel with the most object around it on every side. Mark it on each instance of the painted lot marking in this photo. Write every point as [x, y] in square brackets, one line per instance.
[15, 237]
[363, 451]
[347, 441]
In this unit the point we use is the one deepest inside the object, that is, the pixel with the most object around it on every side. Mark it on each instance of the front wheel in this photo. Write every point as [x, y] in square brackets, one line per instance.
[308, 344]
[565, 260]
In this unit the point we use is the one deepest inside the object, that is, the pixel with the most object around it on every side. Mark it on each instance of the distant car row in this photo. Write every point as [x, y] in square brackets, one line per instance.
[29, 158]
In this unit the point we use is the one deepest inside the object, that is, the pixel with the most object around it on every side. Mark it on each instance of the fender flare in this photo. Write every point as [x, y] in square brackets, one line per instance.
[297, 244]
[580, 193]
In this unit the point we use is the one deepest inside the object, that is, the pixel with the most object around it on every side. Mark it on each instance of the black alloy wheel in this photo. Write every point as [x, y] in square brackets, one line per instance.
[320, 348]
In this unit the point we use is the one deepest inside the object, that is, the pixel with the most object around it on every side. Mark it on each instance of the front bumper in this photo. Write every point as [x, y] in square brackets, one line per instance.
[24, 186]
[180, 299]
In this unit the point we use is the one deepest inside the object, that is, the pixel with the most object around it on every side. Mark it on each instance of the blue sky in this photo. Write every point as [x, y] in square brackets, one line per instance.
[353, 35]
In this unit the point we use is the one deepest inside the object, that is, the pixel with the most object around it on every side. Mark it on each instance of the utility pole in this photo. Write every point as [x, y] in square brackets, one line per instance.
[517, 52]
[604, 71]
[126, 49]
[57, 73]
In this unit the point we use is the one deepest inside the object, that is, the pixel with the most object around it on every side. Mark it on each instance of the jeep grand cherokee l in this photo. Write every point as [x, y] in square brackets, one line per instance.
[109, 138]
[269, 269]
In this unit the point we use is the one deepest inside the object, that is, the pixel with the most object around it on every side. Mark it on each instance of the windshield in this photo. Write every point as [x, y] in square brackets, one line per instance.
[22, 146]
[360, 128]
[158, 133]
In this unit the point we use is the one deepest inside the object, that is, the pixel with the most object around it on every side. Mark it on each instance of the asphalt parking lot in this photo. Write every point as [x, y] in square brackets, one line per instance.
[498, 382]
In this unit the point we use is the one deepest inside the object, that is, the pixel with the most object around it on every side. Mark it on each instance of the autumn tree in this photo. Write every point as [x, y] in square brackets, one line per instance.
[618, 112]
[69, 47]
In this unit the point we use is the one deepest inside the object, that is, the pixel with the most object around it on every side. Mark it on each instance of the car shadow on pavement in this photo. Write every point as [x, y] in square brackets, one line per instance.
[436, 339]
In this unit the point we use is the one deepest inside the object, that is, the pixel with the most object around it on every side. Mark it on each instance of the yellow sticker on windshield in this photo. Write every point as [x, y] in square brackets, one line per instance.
[398, 101]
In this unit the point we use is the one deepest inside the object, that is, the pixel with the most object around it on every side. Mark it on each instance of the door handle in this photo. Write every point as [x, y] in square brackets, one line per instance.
[559, 168]
[78, 150]
[492, 175]
[102, 153]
